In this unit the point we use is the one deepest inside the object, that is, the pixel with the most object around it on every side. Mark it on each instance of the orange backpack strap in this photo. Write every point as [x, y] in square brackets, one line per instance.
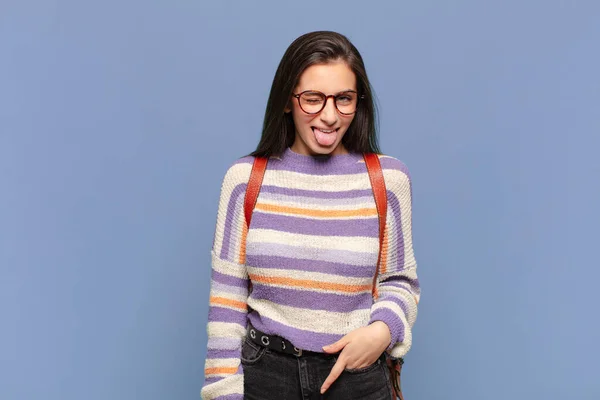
[380, 194]
[254, 183]
[256, 177]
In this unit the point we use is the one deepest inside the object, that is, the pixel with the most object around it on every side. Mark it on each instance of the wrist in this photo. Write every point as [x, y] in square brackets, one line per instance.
[383, 331]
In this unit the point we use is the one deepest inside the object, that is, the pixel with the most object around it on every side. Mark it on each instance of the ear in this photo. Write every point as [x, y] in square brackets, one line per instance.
[288, 107]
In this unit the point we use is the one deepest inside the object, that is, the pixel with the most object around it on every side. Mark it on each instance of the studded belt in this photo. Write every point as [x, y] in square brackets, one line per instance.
[275, 342]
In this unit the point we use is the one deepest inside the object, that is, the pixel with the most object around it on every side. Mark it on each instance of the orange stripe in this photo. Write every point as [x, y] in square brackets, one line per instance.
[214, 300]
[221, 370]
[305, 283]
[360, 212]
[384, 250]
[242, 258]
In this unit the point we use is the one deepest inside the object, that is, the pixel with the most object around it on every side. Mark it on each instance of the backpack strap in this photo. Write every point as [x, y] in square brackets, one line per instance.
[252, 189]
[256, 177]
[380, 194]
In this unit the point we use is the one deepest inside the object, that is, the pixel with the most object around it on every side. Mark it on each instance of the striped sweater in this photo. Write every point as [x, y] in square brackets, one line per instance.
[310, 252]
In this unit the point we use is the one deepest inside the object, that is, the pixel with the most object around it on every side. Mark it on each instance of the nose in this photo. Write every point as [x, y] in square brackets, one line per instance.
[329, 113]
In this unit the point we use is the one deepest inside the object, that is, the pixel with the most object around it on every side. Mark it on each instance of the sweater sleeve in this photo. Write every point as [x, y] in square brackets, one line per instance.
[227, 314]
[398, 286]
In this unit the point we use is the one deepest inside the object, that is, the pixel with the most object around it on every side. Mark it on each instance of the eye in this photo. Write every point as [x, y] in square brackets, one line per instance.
[312, 98]
[345, 98]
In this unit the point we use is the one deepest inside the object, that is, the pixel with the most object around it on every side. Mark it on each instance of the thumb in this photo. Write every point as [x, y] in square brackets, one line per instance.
[337, 346]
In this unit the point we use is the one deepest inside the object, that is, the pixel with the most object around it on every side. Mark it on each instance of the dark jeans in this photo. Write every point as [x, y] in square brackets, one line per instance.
[271, 375]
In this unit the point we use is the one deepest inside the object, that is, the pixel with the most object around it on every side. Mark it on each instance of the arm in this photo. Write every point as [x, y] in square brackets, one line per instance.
[227, 313]
[398, 285]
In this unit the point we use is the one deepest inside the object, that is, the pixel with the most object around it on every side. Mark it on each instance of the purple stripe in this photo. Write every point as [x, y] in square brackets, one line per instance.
[392, 320]
[334, 268]
[224, 343]
[394, 205]
[336, 165]
[414, 283]
[244, 160]
[234, 396]
[228, 279]
[394, 298]
[310, 300]
[366, 226]
[343, 194]
[256, 250]
[231, 397]
[239, 190]
[394, 164]
[221, 314]
[220, 353]
[236, 290]
[302, 339]
[352, 163]
[212, 379]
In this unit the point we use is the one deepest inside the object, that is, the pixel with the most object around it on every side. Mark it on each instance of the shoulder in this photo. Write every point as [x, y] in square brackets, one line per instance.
[238, 171]
[395, 172]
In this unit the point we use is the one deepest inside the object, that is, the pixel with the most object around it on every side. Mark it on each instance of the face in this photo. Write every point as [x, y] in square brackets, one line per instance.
[322, 133]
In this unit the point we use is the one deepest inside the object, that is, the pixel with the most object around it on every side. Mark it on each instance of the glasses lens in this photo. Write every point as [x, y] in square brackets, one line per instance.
[346, 102]
[312, 102]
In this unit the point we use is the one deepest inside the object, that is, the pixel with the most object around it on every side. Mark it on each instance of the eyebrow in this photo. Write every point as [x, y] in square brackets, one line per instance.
[315, 90]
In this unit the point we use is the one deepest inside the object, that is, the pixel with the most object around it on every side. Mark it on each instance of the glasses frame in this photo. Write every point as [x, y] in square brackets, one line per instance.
[335, 96]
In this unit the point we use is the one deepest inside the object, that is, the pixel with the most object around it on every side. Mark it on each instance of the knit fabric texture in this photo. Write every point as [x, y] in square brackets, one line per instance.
[311, 253]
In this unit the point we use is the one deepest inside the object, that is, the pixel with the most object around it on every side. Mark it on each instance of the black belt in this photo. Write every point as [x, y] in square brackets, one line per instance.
[275, 342]
[282, 345]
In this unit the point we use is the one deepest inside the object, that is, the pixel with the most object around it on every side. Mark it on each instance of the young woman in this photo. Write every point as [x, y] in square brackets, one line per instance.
[291, 313]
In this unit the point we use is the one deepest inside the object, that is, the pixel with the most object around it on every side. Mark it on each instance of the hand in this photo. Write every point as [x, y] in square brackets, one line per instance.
[359, 348]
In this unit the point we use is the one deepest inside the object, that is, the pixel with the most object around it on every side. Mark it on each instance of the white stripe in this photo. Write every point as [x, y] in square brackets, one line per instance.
[218, 343]
[349, 243]
[232, 384]
[325, 183]
[398, 183]
[228, 268]
[236, 175]
[222, 363]
[225, 330]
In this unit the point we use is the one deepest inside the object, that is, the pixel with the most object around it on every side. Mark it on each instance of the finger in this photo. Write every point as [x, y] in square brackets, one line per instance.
[336, 371]
[337, 346]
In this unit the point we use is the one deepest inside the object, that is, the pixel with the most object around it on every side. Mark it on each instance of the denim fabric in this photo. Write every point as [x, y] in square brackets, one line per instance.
[271, 375]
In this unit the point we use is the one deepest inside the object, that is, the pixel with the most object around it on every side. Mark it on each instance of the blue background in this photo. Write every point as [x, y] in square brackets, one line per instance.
[118, 120]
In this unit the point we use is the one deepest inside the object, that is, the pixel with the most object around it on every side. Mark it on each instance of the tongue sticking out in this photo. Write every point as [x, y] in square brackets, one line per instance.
[325, 139]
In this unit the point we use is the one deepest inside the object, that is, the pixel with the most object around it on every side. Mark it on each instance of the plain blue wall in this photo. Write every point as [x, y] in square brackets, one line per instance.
[118, 120]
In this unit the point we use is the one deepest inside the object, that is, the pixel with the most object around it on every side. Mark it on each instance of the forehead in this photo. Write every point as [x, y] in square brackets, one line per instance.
[328, 78]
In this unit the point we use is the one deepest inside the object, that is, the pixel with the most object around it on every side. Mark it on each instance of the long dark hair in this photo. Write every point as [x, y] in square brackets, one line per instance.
[318, 47]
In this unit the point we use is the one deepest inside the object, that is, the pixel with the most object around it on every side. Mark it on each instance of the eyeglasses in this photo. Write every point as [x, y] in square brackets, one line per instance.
[313, 101]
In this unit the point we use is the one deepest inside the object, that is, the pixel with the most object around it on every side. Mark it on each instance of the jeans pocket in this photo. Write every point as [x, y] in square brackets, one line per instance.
[363, 370]
[251, 352]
